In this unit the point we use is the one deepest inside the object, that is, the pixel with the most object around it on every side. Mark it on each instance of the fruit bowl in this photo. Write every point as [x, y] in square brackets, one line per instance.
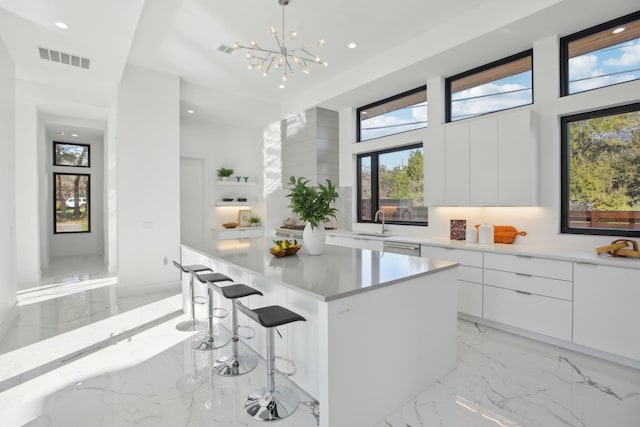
[291, 250]
[230, 224]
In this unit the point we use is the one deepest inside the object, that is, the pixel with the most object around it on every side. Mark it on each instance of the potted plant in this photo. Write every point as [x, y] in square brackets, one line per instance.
[224, 173]
[314, 205]
[254, 221]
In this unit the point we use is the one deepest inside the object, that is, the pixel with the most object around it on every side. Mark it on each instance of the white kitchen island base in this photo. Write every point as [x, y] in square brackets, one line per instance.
[364, 351]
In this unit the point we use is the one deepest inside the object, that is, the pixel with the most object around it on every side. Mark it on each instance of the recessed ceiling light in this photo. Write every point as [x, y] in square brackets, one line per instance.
[281, 86]
[618, 30]
[59, 133]
[191, 111]
[352, 45]
[75, 135]
[62, 25]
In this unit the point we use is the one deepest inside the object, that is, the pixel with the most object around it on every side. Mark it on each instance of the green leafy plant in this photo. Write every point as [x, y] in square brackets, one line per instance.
[224, 172]
[254, 220]
[312, 204]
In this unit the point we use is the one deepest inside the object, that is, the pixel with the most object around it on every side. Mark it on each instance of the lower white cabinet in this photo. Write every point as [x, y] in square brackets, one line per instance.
[543, 315]
[239, 233]
[606, 312]
[356, 242]
[469, 275]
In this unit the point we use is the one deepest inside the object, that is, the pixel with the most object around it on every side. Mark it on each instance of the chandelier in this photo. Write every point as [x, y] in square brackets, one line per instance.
[282, 57]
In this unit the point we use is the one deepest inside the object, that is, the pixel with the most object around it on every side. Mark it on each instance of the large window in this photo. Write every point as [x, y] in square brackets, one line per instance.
[401, 113]
[601, 56]
[392, 181]
[601, 172]
[500, 85]
[71, 203]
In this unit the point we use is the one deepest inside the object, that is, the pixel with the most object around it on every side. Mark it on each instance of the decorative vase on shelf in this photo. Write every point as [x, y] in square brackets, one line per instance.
[314, 239]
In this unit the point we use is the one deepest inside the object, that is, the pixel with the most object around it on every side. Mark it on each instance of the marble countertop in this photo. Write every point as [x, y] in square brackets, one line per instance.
[337, 273]
[562, 254]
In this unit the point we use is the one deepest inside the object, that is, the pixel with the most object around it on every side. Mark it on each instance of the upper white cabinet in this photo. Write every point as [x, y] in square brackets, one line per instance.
[517, 159]
[488, 161]
[605, 309]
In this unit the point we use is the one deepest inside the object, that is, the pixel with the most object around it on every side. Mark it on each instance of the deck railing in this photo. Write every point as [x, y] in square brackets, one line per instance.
[625, 220]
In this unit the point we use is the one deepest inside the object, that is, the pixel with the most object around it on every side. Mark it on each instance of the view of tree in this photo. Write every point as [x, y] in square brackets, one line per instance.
[604, 163]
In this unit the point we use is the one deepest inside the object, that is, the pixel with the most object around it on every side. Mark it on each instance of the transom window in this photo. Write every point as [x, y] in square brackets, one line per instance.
[401, 113]
[601, 172]
[601, 56]
[500, 85]
[392, 181]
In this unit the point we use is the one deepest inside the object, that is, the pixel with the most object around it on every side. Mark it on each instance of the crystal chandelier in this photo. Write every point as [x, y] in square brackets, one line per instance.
[289, 59]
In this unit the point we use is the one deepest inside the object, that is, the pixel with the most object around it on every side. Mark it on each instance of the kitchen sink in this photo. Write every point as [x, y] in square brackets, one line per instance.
[372, 234]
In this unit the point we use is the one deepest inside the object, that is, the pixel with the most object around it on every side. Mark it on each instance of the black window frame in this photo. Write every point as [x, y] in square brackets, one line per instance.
[88, 146]
[87, 207]
[374, 155]
[564, 49]
[565, 171]
[359, 111]
[482, 68]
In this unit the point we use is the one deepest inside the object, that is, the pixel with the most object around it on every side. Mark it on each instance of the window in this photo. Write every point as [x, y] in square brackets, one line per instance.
[70, 154]
[71, 203]
[401, 113]
[601, 56]
[500, 85]
[392, 181]
[601, 172]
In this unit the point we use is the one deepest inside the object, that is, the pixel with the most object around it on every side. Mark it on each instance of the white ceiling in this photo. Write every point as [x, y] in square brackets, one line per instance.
[400, 44]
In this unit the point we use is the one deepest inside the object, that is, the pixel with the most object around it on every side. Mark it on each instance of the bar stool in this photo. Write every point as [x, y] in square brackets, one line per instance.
[211, 341]
[236, 363]
[192, 324]
[271, 403]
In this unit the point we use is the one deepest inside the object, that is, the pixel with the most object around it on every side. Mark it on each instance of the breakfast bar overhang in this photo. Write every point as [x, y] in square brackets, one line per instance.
[380, 326]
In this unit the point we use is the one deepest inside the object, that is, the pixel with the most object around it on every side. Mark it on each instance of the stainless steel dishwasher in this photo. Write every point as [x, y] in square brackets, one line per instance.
[401, 248]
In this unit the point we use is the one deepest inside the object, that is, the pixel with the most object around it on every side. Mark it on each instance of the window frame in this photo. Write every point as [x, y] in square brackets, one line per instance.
[374, 188]
[55, 163]
[483, 68]
[565, 227]
[408, 93]
[564, 49]
[87, 206]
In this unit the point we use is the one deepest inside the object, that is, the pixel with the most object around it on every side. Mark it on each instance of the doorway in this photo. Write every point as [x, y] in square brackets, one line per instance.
[192, 202]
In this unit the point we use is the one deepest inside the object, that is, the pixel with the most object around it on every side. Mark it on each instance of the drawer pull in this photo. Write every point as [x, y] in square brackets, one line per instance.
[587, 264]
[523, 256]
[523, 275]
[449, 249]
[524, 293]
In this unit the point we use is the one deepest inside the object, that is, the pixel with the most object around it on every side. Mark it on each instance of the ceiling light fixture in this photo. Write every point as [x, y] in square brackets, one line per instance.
[352, 45]
[62, 25]
[75, 135]
[281, 57]
[618, 30]
[191, 111]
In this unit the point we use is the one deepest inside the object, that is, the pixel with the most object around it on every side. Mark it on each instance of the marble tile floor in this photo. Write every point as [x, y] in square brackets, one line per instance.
[154, 378]
[70, 269]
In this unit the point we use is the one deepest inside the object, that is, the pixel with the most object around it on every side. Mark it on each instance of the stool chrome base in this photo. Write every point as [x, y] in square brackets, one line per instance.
[191, 325]
[212, 342]
[264, 406]
[229, 366]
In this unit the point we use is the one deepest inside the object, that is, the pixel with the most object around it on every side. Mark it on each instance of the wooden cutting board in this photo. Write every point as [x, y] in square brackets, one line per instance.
[505, 233]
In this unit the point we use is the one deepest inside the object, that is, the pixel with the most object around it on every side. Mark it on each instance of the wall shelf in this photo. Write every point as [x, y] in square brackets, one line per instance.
[239, 204]
[236, 183]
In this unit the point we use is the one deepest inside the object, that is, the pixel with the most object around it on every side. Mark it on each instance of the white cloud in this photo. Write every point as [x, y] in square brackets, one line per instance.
[584, 66]
[389, 124]
[583, 85]
[630, 57]
[480, 103]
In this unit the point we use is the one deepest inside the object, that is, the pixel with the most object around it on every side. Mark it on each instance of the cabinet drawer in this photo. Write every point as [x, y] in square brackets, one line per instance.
[470, 274]
[529, 265]
[470, 298]
[240, 233]
[526, 283]
[462, 256]
[546, 316]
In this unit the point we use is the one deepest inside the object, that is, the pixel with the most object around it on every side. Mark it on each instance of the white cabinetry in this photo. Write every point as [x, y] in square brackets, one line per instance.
[239, 233]
[488, 161]
[469, 275]
[529, 293]
[605, 309]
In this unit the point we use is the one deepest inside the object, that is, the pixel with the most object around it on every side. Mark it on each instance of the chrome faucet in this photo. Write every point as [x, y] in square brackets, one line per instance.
[380, 213]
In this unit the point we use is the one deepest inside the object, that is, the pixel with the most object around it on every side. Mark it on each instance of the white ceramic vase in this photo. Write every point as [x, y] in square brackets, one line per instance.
[314, 239]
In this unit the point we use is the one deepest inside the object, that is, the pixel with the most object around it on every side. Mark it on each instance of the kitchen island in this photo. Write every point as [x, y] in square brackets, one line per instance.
[381, 327]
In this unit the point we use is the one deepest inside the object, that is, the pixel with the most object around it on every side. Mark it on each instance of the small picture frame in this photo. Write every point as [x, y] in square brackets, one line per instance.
[243, 217]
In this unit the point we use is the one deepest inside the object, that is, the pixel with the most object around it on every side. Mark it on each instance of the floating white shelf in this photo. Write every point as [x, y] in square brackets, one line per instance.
[221, 203]
[235, 183]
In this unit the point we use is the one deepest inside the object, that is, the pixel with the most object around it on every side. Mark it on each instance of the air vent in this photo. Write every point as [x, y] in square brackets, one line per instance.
[64, 58]
[225, 49]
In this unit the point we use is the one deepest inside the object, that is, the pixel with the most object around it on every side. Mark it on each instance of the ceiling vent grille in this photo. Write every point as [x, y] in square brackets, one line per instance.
[225, 49]
[64, 58]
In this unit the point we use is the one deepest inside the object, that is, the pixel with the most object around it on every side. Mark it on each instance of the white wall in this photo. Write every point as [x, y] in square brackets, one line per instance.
[8, 276]
[28, 208]
[542, 223]
[148, 174]
[219, 145]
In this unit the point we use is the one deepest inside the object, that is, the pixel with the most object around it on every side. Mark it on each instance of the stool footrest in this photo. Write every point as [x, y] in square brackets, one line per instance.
[199, 300]
[251, 332]
[219, 312]
[291, 365]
